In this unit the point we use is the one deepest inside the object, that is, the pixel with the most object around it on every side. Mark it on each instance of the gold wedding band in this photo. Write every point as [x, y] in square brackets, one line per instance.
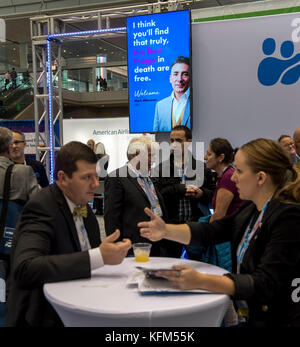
[177, 273]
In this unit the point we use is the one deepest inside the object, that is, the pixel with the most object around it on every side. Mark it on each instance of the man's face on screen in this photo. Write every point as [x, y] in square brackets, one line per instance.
[180, 78]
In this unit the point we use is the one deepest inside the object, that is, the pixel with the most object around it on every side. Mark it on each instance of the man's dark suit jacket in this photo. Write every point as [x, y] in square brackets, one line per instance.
[173, 190]
[39, 171]
[124, 206]
[45, 249]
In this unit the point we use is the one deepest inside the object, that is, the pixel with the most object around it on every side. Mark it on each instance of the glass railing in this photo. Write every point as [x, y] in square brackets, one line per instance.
[97, 65]
[95, 79]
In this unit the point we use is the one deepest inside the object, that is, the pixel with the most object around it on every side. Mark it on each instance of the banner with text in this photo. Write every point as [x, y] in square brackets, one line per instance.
[155, 43]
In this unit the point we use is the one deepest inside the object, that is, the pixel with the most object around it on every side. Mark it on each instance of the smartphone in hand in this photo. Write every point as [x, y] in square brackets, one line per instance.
[151, 273]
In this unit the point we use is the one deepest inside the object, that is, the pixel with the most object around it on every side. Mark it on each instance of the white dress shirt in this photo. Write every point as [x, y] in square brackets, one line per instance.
[179, 105]
[96, 260]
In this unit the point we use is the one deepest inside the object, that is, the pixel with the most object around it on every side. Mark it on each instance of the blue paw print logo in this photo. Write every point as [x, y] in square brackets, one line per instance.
[271, 69]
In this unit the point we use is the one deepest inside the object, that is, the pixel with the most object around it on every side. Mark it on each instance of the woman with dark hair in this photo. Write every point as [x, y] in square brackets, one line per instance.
[265, 238]
[219, 157]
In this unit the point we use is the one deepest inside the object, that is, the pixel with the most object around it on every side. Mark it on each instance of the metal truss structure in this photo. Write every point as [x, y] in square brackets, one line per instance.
[47, 33]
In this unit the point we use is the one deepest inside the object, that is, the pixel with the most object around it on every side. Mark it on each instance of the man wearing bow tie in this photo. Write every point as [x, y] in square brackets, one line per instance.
[58, 239]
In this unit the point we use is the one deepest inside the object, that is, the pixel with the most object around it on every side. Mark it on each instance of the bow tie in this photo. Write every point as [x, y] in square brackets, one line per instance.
[80, 211]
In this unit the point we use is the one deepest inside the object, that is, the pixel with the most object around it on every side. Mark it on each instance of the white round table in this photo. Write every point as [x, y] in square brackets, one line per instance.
[106, 300]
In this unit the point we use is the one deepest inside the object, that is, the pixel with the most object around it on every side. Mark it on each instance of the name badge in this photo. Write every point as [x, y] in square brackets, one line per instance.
[157, 210]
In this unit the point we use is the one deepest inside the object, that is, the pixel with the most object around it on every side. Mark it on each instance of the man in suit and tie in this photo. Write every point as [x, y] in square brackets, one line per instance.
[128, 190]
[175, 109]
[186, 185]
[57, 239]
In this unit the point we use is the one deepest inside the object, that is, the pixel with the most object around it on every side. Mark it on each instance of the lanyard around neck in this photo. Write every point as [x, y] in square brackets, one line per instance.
[251, 229]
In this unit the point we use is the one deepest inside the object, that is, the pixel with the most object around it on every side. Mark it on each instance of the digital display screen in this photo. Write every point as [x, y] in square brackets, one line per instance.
[159, 71]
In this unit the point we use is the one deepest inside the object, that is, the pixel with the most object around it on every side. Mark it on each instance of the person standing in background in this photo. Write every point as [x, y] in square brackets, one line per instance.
[288, 145]
[23, 180]
[297, 145]
[7, 79]
[17, 155]
[23, 185]
[13, 75]
[184, 201]
[91, 144]
[219, 157]
[128, 190]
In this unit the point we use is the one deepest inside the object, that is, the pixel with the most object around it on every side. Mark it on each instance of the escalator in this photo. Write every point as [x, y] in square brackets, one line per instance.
[13, 101]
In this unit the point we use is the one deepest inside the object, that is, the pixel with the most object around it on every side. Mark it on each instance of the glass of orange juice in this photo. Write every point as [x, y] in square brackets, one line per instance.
[141, 251]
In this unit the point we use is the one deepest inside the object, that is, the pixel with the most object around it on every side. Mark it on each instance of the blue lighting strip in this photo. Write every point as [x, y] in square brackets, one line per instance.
[90, 32]
[50, 112]
[49, 83]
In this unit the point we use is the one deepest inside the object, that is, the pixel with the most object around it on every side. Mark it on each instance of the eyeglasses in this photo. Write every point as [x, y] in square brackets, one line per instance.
[17, 142]
[289, 144]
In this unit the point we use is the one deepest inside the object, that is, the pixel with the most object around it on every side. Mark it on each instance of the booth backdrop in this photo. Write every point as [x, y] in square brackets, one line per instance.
[229, 99]
[112, 132]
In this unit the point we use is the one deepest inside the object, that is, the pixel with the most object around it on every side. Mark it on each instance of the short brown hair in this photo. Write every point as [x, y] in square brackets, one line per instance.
[283, 137]
[69, 154]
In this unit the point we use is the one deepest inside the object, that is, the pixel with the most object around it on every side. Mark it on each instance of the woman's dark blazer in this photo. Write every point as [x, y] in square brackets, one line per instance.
[270, 264]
